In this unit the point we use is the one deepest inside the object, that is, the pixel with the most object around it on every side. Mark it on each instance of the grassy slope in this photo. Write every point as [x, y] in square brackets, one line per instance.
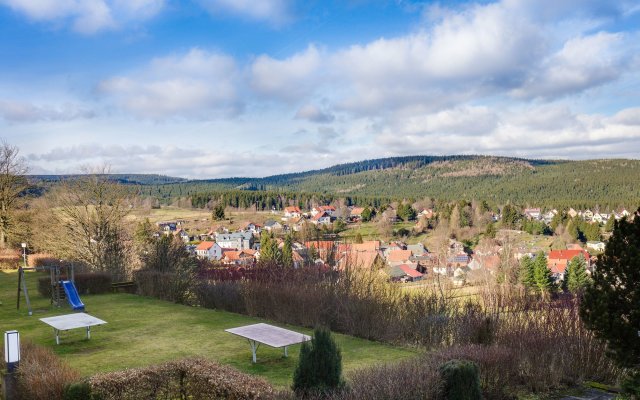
[143, 331]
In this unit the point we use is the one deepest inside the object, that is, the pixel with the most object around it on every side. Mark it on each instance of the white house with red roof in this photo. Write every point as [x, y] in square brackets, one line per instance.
[323, 209]
[321, 219]
[292, 212]
[209, 250]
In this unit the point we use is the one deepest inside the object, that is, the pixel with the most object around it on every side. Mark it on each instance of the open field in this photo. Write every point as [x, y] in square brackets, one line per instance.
[143, 331]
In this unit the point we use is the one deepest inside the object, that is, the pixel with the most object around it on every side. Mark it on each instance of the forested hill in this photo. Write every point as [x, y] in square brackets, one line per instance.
[495, 179]
[587, 183]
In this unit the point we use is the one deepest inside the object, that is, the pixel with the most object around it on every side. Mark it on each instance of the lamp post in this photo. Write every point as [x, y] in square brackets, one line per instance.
[24, 254]
[12, 358]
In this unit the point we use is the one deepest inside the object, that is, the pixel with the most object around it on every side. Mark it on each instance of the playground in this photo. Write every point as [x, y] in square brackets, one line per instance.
[142, 331]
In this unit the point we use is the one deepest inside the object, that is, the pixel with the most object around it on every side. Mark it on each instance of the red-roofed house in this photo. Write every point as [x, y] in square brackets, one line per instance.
[321, 219]
[397, 257]
[323, 209]
[292, 212]
[241, 257]
[405, 273]
[362, 259]
[369, 245]
[558, 259]
[209, 250]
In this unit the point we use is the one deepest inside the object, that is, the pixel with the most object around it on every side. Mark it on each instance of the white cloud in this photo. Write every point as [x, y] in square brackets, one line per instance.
[22, 112]
[289, 79]
[197, 84]
[582, 63]
[87, 16]
[314, 113]
[276, 12]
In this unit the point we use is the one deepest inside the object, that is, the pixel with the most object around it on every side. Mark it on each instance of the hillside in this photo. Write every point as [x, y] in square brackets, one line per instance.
[606, 183]
[495, 179]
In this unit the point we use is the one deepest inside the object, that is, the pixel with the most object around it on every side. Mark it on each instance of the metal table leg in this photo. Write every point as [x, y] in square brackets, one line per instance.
[285, 352]
[88, 332]
[254, 348]
[57, 333]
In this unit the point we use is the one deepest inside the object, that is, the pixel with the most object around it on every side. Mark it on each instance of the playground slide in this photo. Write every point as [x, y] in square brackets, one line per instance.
[72, 296]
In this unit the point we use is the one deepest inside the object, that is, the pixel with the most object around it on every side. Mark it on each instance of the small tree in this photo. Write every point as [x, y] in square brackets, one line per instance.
[319, 367]
[218, 212]
[287, 252]
[358, 238]
[526, 274]
[542, 274]
[367, 214]
[610, 305]
[576, 278]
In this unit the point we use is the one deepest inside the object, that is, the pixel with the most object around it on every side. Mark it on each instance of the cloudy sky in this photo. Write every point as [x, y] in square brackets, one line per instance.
[219, 88]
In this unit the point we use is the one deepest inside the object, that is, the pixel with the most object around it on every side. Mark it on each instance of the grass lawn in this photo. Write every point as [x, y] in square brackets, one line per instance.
[143, 331]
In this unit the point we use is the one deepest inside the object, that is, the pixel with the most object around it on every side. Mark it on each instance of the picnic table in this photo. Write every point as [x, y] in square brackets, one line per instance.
[269, 335]
[72, 321]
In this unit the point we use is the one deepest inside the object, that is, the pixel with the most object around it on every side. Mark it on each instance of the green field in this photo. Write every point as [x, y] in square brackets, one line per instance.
[143, 331]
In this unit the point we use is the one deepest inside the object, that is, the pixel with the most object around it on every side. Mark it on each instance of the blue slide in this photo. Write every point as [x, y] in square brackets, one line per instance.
[72, 296]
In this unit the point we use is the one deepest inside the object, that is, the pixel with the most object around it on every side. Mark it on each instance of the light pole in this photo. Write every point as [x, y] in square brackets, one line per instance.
[24, 254]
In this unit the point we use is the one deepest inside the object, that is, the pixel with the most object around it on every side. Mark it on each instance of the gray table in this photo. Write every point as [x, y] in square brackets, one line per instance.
[270, 335]
[72, 321]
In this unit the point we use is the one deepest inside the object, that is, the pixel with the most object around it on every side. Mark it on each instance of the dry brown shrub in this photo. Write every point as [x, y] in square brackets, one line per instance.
[10, 258]
[41, 374]
[42, 260]
[184, 379]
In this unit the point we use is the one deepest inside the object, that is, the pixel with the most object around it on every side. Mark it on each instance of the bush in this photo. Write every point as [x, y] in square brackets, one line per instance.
[78, 391]
[41, 374]
[319, 365]
[93, 282]
[86, 283]
[42, 260]
[461, 380]
[156, 284]
[10, 259]
[190, 378]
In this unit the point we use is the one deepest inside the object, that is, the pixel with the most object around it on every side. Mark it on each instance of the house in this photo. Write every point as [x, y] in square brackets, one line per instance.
[417, 249]
[238, 257]
[532, 213]
[330, 210]
[489, 263]
[597, 217]
[557, 260]
[596, 246]
[292, 212]
[271, 225]
[237, 240]
[587, 215]
[322, 218]
[405, 273]
[572, 213]
[369, 245]
[182, 234]
[209, 250]
[426, 213]
[362, 260]
[548, 216]
[355, 214]
[397, 257]
[255, 229]
[458, 260]
[297, 224]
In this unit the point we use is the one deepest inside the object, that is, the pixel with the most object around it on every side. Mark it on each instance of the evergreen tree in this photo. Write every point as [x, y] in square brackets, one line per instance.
[218, 212]
[313, 253]
[287, 252]
[319, 367]
[558, 219]
[526, 274]
[542, 274]
[576, 278]
[610, 306]
[608, 227]
[406, 212]
[269, 251]
[143, 234]
[367, 214]
[510, 216]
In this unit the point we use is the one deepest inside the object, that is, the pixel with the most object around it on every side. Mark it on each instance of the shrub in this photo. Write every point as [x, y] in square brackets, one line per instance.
[156, 284]
[42, 260]
[41, 374]
[10, 259]
[319, 365]
[78, 391]
[93, 282]
[189, 378]
[461, 380]
[86, 283]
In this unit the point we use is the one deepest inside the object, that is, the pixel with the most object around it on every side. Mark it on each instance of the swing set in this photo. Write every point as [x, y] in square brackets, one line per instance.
[58, 289]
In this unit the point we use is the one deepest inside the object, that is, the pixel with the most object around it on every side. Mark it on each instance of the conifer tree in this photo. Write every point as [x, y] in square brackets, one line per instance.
[319, 367]
[526, 274]
[610, 304]
[542, 274]
[287, 252]
[576, 278]
[269, 251]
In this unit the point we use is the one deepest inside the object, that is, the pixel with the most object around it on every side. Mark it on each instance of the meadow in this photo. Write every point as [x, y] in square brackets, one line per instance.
[143, 331]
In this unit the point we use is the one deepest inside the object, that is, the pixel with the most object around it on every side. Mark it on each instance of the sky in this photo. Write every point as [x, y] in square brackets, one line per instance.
[222, 88]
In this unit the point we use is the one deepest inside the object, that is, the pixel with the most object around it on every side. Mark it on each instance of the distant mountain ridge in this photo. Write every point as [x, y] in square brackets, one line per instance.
[611, 182]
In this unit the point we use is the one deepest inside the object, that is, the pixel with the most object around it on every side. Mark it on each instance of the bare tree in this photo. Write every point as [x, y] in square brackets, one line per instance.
[12, 184]
[90, 212]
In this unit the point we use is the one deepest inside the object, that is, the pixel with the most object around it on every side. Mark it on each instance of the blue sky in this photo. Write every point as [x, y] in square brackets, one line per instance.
[218, 88]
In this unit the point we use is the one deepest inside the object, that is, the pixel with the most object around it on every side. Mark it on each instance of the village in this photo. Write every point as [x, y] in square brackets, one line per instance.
[403, 262]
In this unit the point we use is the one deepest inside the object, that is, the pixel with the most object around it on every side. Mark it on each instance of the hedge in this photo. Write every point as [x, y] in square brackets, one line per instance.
[86, 283]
